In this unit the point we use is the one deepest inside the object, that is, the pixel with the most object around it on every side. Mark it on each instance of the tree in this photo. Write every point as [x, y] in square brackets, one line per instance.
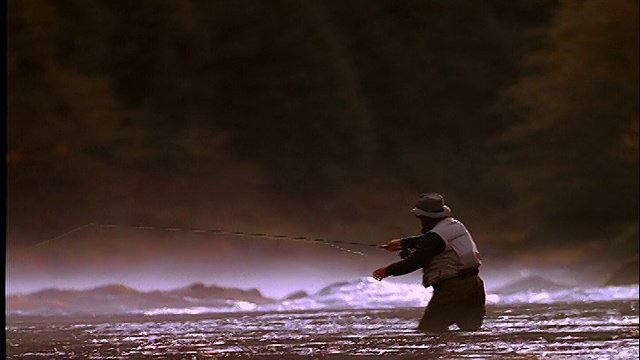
[572, 145]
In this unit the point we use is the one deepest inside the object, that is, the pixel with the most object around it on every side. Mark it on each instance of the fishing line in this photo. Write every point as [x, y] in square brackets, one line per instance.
[333, 243]
[53, 239]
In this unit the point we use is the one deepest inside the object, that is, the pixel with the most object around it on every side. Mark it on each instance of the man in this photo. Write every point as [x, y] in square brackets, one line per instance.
[450, 262]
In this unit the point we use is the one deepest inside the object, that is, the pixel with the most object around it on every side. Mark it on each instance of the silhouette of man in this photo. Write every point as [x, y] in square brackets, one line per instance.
[450, 261]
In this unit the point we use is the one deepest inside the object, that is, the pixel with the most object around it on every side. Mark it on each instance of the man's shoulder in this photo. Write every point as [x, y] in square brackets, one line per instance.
[447, 222]
[453, 221]
[431, 236]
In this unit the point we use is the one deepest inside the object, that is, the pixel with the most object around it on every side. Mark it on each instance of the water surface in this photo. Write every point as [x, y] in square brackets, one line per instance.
[582, 330]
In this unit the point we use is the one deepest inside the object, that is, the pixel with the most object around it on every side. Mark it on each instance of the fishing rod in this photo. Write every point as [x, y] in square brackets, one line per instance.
[333, 243]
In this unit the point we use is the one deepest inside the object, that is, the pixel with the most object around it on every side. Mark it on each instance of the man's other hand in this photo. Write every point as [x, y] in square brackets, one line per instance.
[380, 274]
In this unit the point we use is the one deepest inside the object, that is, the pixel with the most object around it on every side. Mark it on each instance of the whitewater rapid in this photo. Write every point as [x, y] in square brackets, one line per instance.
[367, 293]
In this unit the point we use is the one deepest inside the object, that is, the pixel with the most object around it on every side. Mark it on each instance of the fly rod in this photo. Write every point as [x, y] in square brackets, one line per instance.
[333, 243]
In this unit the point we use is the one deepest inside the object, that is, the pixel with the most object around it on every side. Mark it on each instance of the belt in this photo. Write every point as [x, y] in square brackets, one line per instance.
[465, 273]
[470, 272]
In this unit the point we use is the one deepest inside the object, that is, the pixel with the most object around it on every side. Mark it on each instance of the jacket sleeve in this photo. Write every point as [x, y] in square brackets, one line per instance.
[411, 242]
[427, 246]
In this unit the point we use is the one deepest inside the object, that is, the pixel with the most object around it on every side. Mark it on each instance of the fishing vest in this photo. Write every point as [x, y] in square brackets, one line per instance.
[459, 256]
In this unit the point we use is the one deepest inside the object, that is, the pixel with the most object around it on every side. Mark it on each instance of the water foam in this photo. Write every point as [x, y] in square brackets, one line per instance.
[367, 293]
[607, 293]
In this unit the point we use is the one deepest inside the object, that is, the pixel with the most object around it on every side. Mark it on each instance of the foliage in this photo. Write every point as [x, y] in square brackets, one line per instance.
[572, 149]
[319, 94]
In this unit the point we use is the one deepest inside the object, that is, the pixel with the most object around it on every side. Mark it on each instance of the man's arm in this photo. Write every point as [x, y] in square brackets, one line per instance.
[409, 242]
[412, 242]
[427, 246]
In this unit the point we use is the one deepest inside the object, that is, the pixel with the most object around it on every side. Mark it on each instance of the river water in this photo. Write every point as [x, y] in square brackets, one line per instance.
[600, 323]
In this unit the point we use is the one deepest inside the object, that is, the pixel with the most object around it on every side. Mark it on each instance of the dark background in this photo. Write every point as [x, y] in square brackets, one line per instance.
[321, 119]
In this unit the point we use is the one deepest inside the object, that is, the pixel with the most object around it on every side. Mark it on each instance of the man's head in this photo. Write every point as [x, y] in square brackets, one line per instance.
[430, 209]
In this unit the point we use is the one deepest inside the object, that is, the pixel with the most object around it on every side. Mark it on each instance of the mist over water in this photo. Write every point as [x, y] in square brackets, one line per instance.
[277, 268]
[274, 277]
[272, 280]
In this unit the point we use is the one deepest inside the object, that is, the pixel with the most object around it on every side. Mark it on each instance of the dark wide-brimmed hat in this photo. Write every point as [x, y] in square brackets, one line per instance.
[431, 205]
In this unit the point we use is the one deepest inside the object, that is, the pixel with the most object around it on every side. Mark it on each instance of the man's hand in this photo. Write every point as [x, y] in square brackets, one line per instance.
[393, 245]
[380, 274]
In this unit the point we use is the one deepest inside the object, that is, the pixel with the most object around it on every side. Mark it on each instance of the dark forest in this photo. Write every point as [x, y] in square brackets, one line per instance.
[326, 117]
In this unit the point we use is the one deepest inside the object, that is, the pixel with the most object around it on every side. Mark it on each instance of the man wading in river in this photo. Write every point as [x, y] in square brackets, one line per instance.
[450, 262]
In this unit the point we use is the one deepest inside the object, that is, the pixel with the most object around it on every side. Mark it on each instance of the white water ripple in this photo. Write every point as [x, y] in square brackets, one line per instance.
[367, 293]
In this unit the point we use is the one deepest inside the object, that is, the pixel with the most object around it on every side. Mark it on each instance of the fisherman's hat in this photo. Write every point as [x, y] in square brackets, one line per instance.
[431, 205]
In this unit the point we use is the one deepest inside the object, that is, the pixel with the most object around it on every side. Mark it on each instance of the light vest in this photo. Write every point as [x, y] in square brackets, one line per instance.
[459, 256]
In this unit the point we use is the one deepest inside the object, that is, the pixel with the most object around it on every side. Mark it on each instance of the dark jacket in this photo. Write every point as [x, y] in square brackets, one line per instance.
[417, 252]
